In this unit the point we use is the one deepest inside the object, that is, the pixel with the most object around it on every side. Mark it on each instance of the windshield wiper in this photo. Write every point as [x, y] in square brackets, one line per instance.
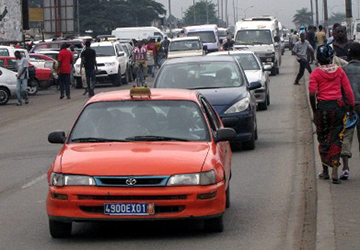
[94, 139]
[205, 87]
[154, 138]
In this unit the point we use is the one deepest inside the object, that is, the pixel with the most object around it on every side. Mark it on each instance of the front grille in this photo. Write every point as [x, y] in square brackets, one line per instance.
[158, 209]
[100, 64]
[106, 197]
[123, 181]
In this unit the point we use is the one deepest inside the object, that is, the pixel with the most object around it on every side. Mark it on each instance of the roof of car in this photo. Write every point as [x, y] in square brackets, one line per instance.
[232, 52]
[103, 43]
[200, 59]
[156, 94]
[185, 38]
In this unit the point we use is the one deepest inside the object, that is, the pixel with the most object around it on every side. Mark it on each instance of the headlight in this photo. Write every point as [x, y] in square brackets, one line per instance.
[60, 180]
[239, 106]
[198, 179]
[109, 64]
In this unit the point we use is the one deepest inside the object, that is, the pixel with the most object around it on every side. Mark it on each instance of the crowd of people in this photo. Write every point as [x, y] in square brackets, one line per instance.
[334, 92]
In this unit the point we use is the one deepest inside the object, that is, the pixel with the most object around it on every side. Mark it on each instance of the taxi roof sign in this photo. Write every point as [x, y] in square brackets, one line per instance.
[140, 92]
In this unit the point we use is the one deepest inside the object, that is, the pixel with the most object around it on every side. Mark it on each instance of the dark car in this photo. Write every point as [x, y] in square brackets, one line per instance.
[222, 81]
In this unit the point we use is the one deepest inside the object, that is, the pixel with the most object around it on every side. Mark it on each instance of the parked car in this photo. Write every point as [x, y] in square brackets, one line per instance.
[111, 62]
[55, 45]
[141, 155]
[222, 81]
[8, 82]
[185, 47]
[128, 49]
[43, 76]
[255, 72]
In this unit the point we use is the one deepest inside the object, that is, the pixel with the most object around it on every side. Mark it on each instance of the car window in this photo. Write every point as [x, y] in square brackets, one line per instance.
[4, 52]
[2, 62]
[212, 117]
[247, 61]
[185, 45]
[104, 50]
[205, 36]
[200, 75]
[125, 49]
[125, 120]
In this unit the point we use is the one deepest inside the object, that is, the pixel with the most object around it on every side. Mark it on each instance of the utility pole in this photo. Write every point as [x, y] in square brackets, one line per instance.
[222, 10]
[170, 15]
[317, 12]
[312, 11]
[218, 9]
[348, 8]
[325, 15]
[194, 11]
[226, 13]
[234, 12]
[78, 17]
[207, 11]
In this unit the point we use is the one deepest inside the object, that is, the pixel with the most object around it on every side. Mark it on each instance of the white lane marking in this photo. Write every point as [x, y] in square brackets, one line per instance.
[33, 182]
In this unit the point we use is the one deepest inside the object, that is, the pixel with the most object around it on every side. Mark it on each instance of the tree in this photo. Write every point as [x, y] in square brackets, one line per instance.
[302, 17]
[205, 12]
[104, 16]
[337, 17]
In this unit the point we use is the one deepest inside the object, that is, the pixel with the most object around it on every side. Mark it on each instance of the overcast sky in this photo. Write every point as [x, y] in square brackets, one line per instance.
[285, 9]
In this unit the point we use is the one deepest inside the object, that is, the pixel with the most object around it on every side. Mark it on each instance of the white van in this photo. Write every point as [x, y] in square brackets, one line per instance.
[208, 34]
[356, 30]
[185, 47]
[138, 33]
[260, 35]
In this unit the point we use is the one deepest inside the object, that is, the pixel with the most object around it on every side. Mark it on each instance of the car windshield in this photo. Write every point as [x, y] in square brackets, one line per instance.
[185, 45]
[253, 37]
[4, 52]
[203, 75]
[104, 50]
[205, 36]
[247, 61]
[221, 33]
[140, 121]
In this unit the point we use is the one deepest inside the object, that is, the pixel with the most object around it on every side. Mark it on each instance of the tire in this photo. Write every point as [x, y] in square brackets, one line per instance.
[125, 79]
[228, 202]
[268, 99]
[214, 225]
[4, 95]
[117, 79]
[250, 145]
[78, 83]
[278, 70]
[273, 71]
[60, 229]
[131, 74]
[33, 87]
[262, 105]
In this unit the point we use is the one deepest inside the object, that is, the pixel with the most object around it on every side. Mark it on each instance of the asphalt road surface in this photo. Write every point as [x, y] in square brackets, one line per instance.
[267, 197]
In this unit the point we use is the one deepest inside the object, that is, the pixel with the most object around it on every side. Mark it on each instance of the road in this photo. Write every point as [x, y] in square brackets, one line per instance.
[269, 209]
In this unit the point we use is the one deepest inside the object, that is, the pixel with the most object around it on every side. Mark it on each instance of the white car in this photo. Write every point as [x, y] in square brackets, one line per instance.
[185, 47]
[255, 72]
[111, 62]
[7, 85]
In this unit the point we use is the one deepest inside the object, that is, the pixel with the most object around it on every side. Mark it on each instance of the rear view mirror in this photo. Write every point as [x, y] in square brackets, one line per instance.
[255, 85]
[57, 137]
[121, 53]
[225, 134]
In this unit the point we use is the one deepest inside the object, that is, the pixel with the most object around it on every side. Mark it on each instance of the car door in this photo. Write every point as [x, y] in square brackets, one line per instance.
[223, 150]
[121, 58]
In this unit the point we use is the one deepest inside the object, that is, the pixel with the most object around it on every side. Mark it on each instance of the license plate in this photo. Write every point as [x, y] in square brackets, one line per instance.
[129, 208]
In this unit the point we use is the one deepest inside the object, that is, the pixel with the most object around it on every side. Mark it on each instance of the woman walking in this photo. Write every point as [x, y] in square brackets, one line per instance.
[327, 83]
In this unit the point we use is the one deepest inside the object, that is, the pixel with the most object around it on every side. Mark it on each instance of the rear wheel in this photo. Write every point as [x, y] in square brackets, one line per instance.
[262, 105]
[215, 225]
[60, 229]
[4, 96]
[268, 99]
[273, 71]
[125, 79]
[250, 145]
[278, 70]
[117, 79]
[32, 87]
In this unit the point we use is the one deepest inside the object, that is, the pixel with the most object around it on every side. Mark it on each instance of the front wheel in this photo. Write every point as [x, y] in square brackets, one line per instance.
[33, 87]
[60, 229]
[250, 145]
[117, 79]
[4, 96]
[214, 225]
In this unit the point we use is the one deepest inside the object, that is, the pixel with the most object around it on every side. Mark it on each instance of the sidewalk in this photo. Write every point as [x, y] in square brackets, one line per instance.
[338, 206]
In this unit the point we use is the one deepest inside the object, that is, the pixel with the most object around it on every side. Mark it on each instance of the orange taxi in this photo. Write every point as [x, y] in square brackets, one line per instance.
[138, 155]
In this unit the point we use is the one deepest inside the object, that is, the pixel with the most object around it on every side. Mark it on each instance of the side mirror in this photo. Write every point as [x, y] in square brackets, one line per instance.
[205, 47]
[225, 134]
[255, 85]
[267, 67]
[277, 39]
[57, 137]
[121, 53]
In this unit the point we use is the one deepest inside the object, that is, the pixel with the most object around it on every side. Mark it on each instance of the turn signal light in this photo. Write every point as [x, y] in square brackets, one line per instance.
[57, 196]
[206, 196]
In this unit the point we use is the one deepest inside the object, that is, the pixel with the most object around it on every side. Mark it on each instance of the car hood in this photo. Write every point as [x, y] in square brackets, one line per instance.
[137, 158]
[105, 59]
[264, 48]
[186, 53]
[224, 96]
[253, 75]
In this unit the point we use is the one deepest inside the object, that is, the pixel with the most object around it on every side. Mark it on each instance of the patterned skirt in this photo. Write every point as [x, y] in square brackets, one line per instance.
[330, 127]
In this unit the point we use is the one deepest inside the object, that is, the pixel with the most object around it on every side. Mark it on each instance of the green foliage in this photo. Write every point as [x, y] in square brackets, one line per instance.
[201, 14]
[104, 16]
[337, 17]
[302, 18]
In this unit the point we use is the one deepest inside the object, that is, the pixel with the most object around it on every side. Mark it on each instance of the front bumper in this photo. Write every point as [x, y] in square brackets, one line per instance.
[242, 123]
[87, 203]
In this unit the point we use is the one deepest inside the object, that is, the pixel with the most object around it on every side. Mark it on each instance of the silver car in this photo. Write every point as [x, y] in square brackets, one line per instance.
[7, 85]
[255, 72]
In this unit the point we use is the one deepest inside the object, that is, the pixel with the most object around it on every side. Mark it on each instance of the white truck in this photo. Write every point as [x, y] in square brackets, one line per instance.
[138, 33]
[260, 35]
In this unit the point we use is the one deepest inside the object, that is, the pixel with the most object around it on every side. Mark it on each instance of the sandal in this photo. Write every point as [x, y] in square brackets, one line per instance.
[323, 177]
[344, 175]
[335, 181]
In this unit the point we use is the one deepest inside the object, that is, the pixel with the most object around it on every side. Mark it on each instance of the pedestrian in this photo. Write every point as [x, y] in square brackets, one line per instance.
[352, 71]
[72, 79]
[65, 60]
[293, 41]
[326, 85]
[300, 50]
[22, 78]
[229, 44]
[151, 56]
[165, 46]
[88, 62]
[311, 38]
[341, 44]
[320, 36]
